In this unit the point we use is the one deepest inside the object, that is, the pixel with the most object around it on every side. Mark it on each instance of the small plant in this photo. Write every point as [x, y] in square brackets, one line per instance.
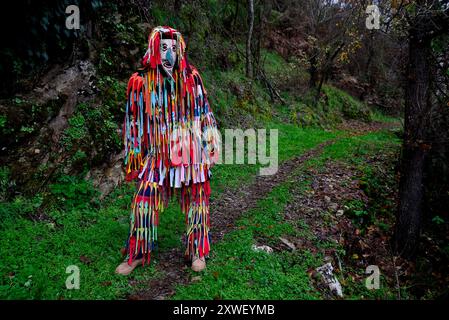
[437, 220]
[73, 192]
[4, 182]
[76, 133]
[27, 129]
[19, 206]
[3, 121]
[357, 210]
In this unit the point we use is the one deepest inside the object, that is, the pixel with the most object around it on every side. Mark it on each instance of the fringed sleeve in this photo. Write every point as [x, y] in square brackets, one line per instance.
[211, 138]
[133, 127]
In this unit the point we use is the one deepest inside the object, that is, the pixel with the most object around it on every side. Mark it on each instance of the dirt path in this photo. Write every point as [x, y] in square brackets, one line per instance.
[226, 209]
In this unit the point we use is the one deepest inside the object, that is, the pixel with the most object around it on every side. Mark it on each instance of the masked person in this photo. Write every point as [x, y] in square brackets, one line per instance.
[171, 142]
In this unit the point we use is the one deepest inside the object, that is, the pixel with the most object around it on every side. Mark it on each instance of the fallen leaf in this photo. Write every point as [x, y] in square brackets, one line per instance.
[288, 243]
[85, 260]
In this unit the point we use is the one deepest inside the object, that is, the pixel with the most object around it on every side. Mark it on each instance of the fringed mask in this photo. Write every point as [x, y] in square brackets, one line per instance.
[166, 49]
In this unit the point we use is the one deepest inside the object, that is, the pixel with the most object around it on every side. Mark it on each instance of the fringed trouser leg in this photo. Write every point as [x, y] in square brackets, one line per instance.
[196, 208]
[149, 201]
[144, 220]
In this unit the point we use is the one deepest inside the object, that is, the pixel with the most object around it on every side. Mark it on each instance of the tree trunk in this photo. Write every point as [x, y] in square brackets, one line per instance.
[414, 150]
[368, 72]
[258, 39]
[249, 63]
[236, 13]
[325, 71]
[177, 6]
[313, 71]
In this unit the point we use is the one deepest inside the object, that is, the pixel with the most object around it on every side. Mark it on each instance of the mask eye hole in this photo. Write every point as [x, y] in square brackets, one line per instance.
[174, 48]
[164, 47]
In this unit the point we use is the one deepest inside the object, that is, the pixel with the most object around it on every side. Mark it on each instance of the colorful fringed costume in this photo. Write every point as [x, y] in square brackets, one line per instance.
[171, 141]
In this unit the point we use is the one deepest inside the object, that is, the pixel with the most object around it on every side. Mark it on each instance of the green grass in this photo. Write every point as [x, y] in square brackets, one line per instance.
[350, 107]
[292, 141]
[379, 116]
[235, 271]
[358, 147]
[34, 255]
[333, 106]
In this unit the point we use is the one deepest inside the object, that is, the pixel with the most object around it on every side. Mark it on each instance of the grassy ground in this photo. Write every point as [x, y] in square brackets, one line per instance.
[236, 271]
[35, 253]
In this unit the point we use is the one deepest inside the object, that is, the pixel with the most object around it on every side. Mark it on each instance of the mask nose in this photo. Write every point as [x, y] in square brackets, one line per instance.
[169, 57]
